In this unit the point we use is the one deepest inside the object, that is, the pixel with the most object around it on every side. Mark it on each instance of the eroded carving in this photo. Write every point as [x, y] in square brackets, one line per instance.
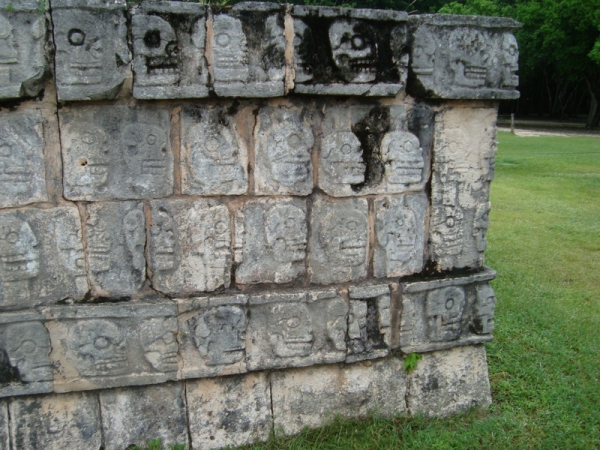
[483, 320]
[273, 241]
[230, 49]
[28, 348]
[156, 59]
[158, 336]
[22, 172]
[402, 156]
[354, 50]
[91, 52]
[284, 144]
[215, 158]
[444, 313]
[290, 330]
[510, 61]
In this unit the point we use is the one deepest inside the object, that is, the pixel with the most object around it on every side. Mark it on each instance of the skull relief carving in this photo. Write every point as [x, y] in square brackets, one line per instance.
[163, 242]
[354, 50]
[8, 52]
[470, 57]
[157, 53]
[444, 313]
[19, 250]
[402, 157]
[397, 234]
[99, 348]
[286, 232]
[230, 49]
[342, 159]
[484, 310]
[28, 347]
[343, 236]
[510, 61]
[160, 343]
[290, 330]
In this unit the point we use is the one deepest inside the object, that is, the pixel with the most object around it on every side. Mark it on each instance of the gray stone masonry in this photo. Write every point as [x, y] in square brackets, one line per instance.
[217, 223]
[24, 48]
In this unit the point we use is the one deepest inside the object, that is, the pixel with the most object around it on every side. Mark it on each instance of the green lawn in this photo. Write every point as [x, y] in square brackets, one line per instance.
[544, 241]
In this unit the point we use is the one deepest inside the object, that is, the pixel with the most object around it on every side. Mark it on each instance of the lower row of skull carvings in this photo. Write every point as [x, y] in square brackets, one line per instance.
[297, 332]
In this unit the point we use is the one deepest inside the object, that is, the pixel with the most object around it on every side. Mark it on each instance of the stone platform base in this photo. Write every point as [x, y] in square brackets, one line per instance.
[242, 409]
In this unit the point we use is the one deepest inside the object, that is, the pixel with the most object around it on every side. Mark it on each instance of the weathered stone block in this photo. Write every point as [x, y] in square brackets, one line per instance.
[22, 170]
[449, 381]
[212, 335]
[190, 246]
[116, 238]
[133, 416]
[116, 153]
[399, 235]
[446, 313]
[4, 426]
[342, 51]
[463, 57]
[229, 411]
[270, 241]
[374, 149]
[284, 142]
[24, 62]
[92, 57]
[56, 422]
[463, 166]
[296, 329]
[214, 155]
[24, 355]
[41, 257]
[339, 240]
[369, 322]
[169, 39]
[98, 347]
[248, 47]
[313, 396]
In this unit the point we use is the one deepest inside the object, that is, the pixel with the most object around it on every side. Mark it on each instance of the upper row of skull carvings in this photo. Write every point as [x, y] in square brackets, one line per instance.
[184, 50]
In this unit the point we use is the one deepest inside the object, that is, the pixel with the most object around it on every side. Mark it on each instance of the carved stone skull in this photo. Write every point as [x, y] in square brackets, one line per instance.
[8, 52]
[397, 234]
[286, 231]
[481, 222]
[510, 61]
[156, 52]
[99, 348]
[28, 349]
[469, 57]
[219, 334]
[483, 322]
[163, 241]
[423, 52]
[448, 225]
[341, 159]
[160, 343]
[146, 153]
[444, 309]
[402, 158]
[290, 330]
[354, 50]
[19, 251]
[230, 49]
[343, 236]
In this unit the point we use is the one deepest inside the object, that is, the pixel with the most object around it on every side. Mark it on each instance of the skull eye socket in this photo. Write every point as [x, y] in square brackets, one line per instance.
[76, 37]
[292, 322]
[101, 342]
[346, 149]
[449, 304]
[152, 38]
[358, 42]
[5, 150]
[450, 222]
[151, 139]
[12, 238]
[28, 347]
[294, 140]
[221, 227]
[351, 225]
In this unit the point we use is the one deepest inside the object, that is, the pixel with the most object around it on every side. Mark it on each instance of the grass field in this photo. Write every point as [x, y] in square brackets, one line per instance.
[544, 241]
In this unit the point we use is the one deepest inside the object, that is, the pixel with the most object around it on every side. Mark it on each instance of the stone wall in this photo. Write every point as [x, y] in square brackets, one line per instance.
[220, 223]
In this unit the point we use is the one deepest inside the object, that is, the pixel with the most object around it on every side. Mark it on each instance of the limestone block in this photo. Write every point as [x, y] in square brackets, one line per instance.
[56, 422]
[313, 396]
[134, 416]
[447, 313]
[22, 170]
[369, 322]
[399, 235]
[229, 411]
[295, 329]
[190, 246]
[342, 51]
[104, 346]
[24, 355]
[339, 240]
[24, 60]
[270, 241]
[248, 48]
[92, 56]
[214, 156]
[466, 57]
[449, 381]
[116, 238]
[463, 166]
[116, 152]
[212, 335]
[41, 257]
[169, 41]
[4, 426]
[284, 142]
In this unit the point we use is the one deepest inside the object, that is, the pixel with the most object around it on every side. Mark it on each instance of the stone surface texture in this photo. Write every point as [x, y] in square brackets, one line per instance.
[313, 396]
[24, 49]
[92, 56]
[203, 206]
[229, 411]
[449, 381]
[465, 57]
[137, 415]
